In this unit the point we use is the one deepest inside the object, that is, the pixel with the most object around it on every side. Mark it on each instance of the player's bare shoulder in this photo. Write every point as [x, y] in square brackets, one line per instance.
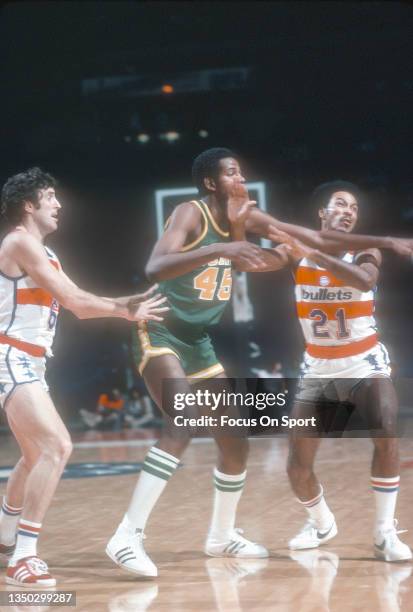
[188, 219]
[13, 243]
[19, 250]
[188, 213]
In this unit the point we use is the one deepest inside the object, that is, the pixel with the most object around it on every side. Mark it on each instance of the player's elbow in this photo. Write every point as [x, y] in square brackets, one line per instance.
[151, 273]
[154, 272]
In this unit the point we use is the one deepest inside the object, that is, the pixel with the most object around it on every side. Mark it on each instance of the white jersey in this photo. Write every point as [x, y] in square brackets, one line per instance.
[337, 320]
[28, 313]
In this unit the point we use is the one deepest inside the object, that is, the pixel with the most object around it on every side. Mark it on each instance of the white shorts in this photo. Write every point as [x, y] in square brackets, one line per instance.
[313, 385]
[374, 362]
[19, 368]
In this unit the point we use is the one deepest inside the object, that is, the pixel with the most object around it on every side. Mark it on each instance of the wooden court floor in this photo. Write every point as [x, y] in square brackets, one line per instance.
[339, 577]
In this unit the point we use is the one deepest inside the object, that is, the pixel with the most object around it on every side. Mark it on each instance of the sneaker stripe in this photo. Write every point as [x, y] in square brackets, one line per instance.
[128, 554]
[237, 548]
[381, 546]
[322, 534]
[124, 551]
[127, 558]
[233, 547]
[21, 573]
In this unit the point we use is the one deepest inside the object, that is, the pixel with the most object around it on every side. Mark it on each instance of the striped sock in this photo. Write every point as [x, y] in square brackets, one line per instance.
[228, 490]
[385, 494]
[9, 517]
[157, 469]
[318, 510]
[26, 545]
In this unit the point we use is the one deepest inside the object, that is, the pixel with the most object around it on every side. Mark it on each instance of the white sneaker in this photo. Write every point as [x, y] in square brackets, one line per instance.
[126, 550]
[235, 546]
[388, 547]
[312, 537]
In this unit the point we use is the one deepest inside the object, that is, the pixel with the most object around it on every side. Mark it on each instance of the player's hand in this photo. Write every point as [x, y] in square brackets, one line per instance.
[403, 247]
[149, 310]
[239, 205]
[137, 298]
[295, 248]
[144, 296]
[244, 255]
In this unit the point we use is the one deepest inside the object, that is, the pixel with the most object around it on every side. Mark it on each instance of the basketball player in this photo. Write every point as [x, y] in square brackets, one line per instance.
[343, 362]
[192, 261]
[32, 285]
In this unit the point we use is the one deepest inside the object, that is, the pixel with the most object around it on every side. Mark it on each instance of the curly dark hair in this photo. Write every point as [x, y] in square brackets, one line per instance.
[206, 165]
[23, 187]
[322, 194]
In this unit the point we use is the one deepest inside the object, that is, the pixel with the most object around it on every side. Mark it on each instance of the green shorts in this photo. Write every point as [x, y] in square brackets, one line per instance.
[197, 357]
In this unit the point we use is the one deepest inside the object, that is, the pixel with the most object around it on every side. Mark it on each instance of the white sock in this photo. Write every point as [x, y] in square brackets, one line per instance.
[26, 545]
[318, 510]
[157, 469]
[9, 517]
[228, 490]
[385, 494]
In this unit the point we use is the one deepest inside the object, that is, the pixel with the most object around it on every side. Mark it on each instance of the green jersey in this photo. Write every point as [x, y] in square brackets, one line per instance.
[197, 299]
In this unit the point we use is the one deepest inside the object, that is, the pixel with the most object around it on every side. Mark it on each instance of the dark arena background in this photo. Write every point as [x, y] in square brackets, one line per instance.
[116, 99]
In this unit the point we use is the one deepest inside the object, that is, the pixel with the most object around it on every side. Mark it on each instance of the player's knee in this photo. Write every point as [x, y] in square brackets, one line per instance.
[66, 448]
[58, 449]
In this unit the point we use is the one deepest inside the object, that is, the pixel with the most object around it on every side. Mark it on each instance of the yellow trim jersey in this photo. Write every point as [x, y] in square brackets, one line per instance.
[197, 299]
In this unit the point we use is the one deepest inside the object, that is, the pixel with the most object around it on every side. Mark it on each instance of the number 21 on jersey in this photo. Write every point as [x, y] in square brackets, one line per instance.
[207, 284]
[320, 320]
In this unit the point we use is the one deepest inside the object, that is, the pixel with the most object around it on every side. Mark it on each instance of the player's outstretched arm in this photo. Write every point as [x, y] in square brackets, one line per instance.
[30, 256]
[260, 223]
[169, 258]
[363, 274]
[272, 260]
